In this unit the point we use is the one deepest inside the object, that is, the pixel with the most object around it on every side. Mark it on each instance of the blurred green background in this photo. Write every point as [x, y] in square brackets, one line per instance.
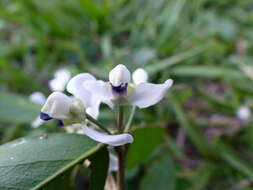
[197, 140]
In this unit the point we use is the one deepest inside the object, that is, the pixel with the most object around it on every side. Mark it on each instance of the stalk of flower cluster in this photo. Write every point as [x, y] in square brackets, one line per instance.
[94, 121]
[121, 150]
[130, 119]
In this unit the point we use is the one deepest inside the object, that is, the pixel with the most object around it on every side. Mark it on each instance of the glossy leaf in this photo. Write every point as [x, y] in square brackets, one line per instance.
[32, 162]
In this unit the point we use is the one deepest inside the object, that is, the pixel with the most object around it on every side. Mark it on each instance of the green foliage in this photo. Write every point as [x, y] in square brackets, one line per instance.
[30, 163]
[160, 175]
[99, 169]
[17, 109]
[146, 140]
[205, 46]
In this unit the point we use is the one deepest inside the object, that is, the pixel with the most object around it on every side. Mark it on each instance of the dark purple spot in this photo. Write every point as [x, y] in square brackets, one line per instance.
[120, 90]
[60, 123]
[45, 116]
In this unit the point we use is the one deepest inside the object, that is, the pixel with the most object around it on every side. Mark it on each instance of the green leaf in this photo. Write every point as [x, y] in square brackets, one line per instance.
[17, 109]
[235, 160]
[194, 132]
[160, 175]
[208, 71]
[168, 62]
[32, 162]
[145, 141]
[99, 169]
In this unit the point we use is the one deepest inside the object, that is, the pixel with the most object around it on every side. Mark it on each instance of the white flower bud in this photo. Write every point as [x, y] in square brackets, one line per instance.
[57, 106]
[139, 76]
[119, 75]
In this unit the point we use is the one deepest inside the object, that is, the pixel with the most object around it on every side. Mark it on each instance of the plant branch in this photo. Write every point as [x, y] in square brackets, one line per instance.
[130, 119]
[94, 121]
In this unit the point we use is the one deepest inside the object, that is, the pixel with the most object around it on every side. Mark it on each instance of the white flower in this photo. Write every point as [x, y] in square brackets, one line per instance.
[70, 111]
[118, 91]
[113, 140]
[243, 113]
[77, 87]
[61, 78]
[57, 106]
[37, 98]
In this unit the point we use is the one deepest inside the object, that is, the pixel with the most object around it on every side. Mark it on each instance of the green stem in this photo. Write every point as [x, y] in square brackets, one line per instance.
[121, 151]
[121, 170]
[130, 119]
[94, 121]
[120, 119]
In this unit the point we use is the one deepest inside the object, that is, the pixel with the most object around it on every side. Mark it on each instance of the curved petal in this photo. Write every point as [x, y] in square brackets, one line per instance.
[37, 122]
[57, 106]
[113, 140]
[76, 86]
[148, 94]
[93, 110]
[77, 81]
[102, 90]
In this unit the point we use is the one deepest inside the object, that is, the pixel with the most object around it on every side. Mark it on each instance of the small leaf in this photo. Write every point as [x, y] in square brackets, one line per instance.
[145, 141]
[32, 162]
[99, 169]
[160, 175]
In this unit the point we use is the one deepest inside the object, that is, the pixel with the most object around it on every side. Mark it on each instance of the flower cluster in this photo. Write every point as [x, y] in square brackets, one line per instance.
[88, 93]
[58, 83]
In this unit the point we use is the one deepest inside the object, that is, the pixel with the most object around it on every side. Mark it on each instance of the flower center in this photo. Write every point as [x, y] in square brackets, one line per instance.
[120, 90]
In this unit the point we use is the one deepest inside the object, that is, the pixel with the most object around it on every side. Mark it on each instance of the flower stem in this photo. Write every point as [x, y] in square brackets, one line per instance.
[91, 119]
[121, 151]
[130, 119]
[121, 166]
[120, 119]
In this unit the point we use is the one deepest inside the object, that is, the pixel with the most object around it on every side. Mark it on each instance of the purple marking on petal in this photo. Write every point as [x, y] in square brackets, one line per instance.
[60, 123]
[120, 90]
[45, 116]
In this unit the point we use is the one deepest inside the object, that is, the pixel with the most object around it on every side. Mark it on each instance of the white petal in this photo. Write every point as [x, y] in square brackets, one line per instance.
[37, 122]
[139, 76]
[76, 86]
[113, 140]
[77, 81]
[113, 164]
[37, 98]
[93, 110]
[63, 74]
[119, 75]
[57, 85]
[101, 89]
[57, 106]
[148, 94]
